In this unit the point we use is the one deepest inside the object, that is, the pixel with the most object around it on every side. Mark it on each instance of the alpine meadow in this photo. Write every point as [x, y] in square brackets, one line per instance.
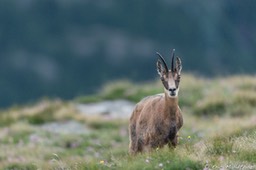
[219, 129]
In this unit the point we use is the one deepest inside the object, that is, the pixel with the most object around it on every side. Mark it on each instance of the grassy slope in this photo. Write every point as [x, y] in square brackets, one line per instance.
[219, 130]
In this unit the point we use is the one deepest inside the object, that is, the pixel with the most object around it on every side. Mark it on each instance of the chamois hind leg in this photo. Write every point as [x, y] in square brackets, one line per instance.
[146, 148]
[133, 139]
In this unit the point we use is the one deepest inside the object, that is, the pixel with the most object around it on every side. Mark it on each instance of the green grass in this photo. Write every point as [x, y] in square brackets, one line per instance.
[17, 166]
[219, 130]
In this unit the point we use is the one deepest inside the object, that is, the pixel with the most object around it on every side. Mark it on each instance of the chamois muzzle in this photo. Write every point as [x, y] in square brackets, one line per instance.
[172, 91]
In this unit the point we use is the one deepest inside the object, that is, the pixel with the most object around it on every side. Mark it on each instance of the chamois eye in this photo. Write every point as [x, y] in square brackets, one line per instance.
[166, 85]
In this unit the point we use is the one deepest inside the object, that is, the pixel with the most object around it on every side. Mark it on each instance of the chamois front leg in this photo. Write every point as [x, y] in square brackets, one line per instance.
[173, 143]
[173, 136]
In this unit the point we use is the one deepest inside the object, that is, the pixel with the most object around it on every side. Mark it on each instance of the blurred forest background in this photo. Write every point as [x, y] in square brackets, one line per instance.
[67, 48]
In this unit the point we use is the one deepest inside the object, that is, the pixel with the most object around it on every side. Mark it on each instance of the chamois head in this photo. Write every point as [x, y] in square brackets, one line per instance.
[169, 78]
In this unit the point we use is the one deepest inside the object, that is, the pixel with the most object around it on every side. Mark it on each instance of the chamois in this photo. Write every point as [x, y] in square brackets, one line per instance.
[156, 119]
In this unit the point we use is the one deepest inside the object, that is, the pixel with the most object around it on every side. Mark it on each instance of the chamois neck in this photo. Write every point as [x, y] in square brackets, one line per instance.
[171, 101]
[170, 106]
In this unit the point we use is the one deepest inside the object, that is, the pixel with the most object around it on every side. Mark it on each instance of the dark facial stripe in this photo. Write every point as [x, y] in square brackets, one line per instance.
[165, 83]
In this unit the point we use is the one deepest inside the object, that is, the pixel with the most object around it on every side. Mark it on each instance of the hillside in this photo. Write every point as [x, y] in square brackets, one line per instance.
[219, 129]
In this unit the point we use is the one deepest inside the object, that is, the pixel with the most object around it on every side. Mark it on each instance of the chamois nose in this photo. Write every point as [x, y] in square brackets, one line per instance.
[172, 91]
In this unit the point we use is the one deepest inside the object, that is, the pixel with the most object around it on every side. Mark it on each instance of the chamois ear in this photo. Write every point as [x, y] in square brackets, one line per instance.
[178, 65]
[160, 68]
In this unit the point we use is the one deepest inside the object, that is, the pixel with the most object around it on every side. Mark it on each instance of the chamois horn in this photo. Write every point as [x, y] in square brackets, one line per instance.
[173, 55]
[163, 61]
